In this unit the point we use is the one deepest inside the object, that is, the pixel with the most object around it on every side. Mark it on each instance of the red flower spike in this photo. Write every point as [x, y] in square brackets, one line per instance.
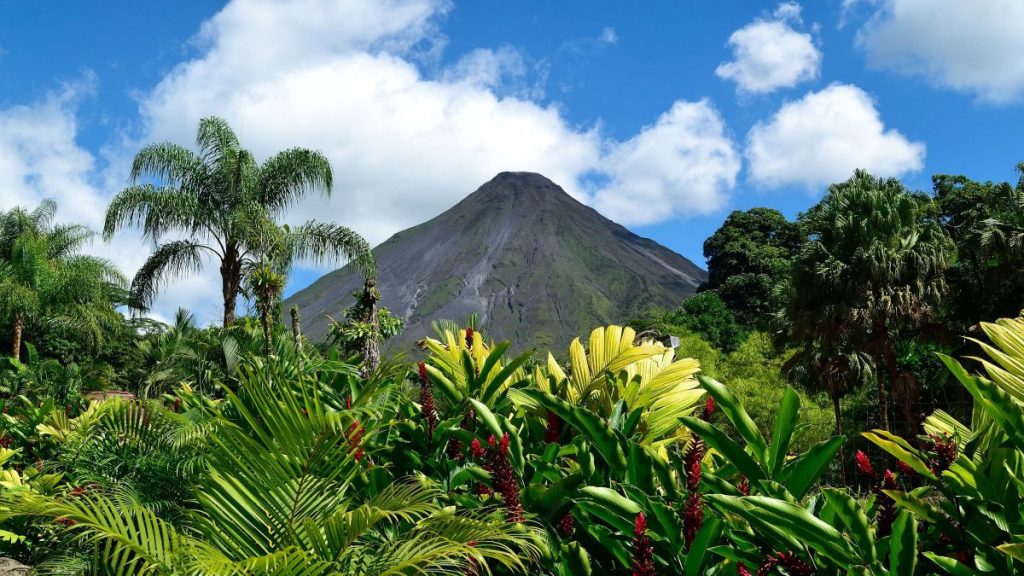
[476, 450]
[423, 371]
[864, 465]
[454, 450]
[503, 478]
[791, 563]
[741, 570]
[693, 510]
[643, 551]
[469, 338]
[554, 428]
[693, 517]
[472, 566]
[427, 404]
[744, 486]
[640, 525]
[491, 440]
[944, 451]
[709, 407]
[567, 525]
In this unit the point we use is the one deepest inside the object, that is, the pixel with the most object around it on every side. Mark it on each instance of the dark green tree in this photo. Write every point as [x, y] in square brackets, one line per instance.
[872, 266]
[48, 286]
[224, 204]
[749, 260]
[704, 314]
[986, 220]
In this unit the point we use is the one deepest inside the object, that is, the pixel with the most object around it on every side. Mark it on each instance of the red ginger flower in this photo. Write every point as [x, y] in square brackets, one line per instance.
[887, 506]
[864, 465]
[709, 407]
[567, 525]
[503, 478]
[554, 428]
[476, 450]
[454, 450]
[789, 562]
[741, 570]
[944, 450]
[427, 402]
[643, 552]
[469, 338]
[693, 512]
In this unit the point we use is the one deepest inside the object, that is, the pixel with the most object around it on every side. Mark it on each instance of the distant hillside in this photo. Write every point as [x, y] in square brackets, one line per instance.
[537, 266]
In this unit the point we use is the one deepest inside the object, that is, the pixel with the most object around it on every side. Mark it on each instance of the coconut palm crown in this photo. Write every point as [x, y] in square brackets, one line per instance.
[221, 203]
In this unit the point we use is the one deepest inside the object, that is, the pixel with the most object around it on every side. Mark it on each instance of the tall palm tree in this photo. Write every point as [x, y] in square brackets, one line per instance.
[220, 202]
[46, 284]
[872, 265]
[1003, 234]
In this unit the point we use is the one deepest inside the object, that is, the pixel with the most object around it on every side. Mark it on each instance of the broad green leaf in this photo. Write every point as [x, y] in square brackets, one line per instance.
[733, 409]
[800, 474]
[849, 511]
[903, 545]
[902, 450]
[488, 418]
[950, 565]
[588, 424]
[613, 500]
[785, 423]
[726, 446]
[697, 554]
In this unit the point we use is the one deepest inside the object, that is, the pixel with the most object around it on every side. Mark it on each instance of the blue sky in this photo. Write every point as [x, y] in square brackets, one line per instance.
[663, 115]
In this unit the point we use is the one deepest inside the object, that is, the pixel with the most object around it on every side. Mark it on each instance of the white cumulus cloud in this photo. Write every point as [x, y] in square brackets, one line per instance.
[678, 166]
[769, 54]
[823, 137]
[972, 46]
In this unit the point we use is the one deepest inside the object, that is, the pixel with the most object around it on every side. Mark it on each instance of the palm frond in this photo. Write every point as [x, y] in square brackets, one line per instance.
[322, 242]
[170, 259]
[291, 174]
[169, 164]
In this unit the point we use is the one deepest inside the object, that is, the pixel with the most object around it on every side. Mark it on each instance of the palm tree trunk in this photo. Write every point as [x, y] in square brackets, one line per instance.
[371, 347]
[19, 326]
[231, 281]
[882, 348]
[839, 432]
[265, 320]
[296, 328]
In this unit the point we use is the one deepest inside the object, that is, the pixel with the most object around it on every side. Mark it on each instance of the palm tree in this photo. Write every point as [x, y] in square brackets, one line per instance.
[46, 283]
[1003, 234]
[872, 266]
[837, 370]
[266, 286]
[224, 204]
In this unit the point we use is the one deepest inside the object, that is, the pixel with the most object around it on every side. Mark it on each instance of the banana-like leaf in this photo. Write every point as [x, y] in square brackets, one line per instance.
[903, 545]
[734, 411]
